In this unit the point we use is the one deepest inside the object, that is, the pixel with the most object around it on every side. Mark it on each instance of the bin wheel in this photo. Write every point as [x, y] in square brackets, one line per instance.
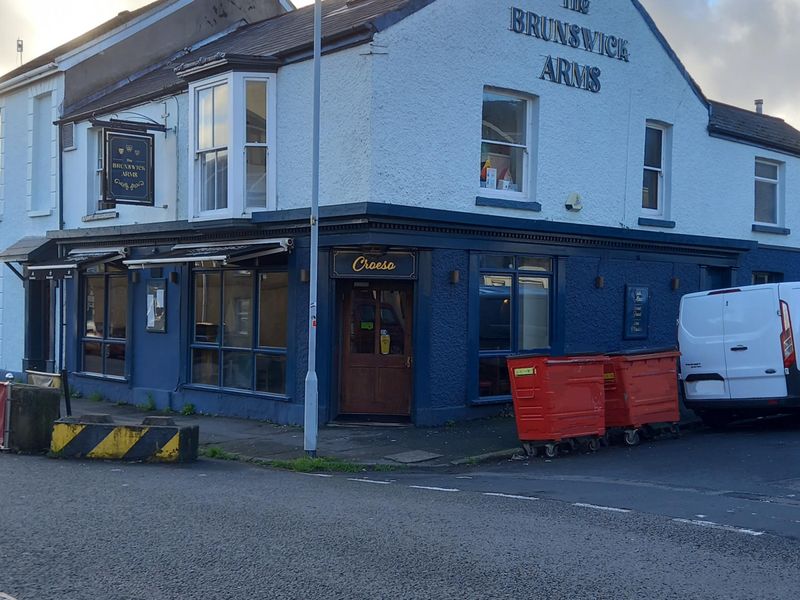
[632, 437]
[593, 445]
[675, 431]
[530, 449]
[551, 450]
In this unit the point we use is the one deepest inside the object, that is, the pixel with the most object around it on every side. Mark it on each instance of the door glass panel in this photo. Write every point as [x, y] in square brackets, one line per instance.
[495, 312]
[238, 309]
[363, 322]
[393, 323]
[534, 313]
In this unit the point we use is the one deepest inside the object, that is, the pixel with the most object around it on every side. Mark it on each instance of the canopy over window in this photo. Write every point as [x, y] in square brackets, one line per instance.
[65, 267]
[28, 249]
[221, 252]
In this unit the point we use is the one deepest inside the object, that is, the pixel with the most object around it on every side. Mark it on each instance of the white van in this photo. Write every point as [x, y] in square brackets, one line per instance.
[738, 355]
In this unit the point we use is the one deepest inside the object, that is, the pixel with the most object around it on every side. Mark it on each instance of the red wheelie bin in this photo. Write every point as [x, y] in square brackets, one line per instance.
[558, 401]
[641, 391]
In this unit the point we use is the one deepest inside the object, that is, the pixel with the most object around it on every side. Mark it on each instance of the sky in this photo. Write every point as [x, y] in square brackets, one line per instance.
[737, 50]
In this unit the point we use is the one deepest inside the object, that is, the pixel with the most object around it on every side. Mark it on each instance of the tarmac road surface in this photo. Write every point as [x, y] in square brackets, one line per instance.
[89, 530]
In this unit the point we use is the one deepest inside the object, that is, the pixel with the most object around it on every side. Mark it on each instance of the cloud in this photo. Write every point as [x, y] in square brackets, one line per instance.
[738, 50]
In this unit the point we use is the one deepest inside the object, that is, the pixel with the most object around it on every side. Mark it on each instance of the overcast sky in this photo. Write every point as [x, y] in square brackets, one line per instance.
[737, 50]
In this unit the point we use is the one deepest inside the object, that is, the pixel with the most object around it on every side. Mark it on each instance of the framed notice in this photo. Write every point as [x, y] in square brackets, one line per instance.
[129, 175]
[637, 312]
[157, 306]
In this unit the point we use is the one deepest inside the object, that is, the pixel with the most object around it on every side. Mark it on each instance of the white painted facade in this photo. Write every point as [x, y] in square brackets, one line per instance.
[401, 124]
[28, 205]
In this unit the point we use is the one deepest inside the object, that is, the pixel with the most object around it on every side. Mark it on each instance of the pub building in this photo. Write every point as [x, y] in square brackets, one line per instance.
[545, 177]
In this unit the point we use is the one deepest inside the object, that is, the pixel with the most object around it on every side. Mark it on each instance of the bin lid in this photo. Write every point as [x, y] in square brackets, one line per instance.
[644, 351]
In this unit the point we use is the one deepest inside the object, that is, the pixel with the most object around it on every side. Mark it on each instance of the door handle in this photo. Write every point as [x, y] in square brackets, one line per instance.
[738, 348]
[409, 362]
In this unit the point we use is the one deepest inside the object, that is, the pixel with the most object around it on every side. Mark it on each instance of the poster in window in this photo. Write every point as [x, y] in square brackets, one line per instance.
[637, 312]
[157, 306]
[129, 173]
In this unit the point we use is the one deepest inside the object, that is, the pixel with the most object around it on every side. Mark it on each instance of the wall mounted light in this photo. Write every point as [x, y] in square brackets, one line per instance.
[304, 276]
[173, 277]
[675, 283]
[455, 276]
[599, 282]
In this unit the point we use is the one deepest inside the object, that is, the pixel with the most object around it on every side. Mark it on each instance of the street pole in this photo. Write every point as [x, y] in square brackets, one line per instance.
[310, 425]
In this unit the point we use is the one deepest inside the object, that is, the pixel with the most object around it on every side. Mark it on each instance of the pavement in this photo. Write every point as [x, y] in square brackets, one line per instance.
[399, 445]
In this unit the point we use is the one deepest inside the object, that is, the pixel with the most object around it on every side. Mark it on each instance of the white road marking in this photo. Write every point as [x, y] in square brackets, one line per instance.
[512, 496]
[463, 477]
[370, 481]
[712, 525]
[325, 475]
[605, 508]
[433, 489]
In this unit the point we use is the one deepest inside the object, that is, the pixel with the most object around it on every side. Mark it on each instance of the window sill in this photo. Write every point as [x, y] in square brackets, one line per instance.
[663, 223]
[776, 229]
[100, 216]
[100, 376]
[40, 213]
[488, 401]
[506, 203]
[236, 392]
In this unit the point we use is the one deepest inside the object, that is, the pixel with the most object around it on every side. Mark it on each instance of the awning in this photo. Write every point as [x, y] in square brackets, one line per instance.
[64, 268]
[27, 249]
[220, 252]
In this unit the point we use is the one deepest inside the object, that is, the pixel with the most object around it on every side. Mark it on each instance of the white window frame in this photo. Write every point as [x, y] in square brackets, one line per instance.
[528, 159]
[2, 157]
[662, 208]
[236, 82]
[778, 182]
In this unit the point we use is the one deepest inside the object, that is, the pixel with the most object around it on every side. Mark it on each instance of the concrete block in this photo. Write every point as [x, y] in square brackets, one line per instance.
[32, 412]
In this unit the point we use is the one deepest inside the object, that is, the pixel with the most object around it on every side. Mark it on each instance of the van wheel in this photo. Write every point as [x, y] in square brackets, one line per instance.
[716, 420]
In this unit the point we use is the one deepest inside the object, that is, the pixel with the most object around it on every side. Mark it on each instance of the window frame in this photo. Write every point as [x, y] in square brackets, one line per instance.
[662, 194]
[106, 340]
[529, 159]
[516, 273]
[255, 350]
[236, 82]
[777, 182]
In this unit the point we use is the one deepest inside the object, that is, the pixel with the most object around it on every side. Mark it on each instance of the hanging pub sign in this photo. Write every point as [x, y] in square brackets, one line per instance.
[129, 168]
[350, 264]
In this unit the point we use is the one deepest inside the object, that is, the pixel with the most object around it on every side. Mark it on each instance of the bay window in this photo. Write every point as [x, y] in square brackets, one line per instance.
[233, 140]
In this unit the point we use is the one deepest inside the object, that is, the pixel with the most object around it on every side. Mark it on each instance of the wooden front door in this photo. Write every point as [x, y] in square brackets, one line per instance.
[377, 349]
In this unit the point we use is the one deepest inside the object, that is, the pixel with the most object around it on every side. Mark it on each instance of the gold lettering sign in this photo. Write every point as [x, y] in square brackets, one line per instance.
[362, 263]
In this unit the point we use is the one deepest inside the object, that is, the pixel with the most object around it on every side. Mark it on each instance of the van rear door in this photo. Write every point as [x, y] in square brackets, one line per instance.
[753, 352]
[702, 343]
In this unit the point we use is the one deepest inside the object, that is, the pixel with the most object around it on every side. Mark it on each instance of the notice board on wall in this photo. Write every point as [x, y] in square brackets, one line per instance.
[637, 312]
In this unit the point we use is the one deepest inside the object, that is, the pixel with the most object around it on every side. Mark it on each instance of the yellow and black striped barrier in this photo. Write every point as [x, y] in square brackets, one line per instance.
[87, 438]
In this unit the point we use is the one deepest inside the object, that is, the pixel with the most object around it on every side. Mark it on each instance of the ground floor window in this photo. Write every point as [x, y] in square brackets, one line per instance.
[240, 329]
[515, 307]
[760, 277]
[105, 320]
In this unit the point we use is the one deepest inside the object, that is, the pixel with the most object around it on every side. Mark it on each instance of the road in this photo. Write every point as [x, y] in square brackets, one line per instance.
[619, 524]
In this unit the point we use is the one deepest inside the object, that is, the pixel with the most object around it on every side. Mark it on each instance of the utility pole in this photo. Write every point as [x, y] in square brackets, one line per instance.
[310, 424]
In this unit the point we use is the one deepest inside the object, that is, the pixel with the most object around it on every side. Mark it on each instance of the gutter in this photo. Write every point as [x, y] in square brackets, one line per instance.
[28, 77]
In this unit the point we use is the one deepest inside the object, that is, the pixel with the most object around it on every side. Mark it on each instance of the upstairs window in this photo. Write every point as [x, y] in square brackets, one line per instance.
[505, 148]
[213, 133]
[654, 181]
[767, 180]
[234, 145]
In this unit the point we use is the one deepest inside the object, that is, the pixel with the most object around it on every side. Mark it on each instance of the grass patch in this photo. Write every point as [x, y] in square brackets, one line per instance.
[218, 453]
[188, 410]
[96, 397]
[320, 464]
